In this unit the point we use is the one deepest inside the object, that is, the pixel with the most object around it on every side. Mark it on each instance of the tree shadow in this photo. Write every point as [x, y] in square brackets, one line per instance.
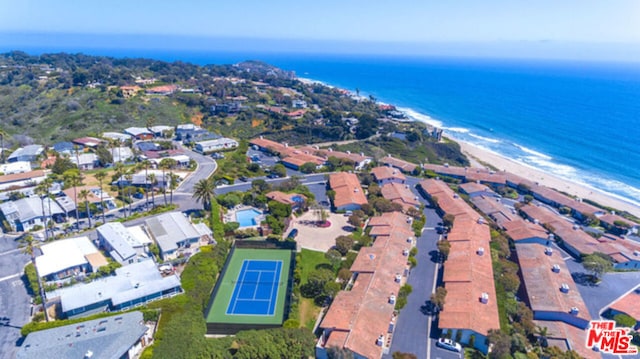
[585, 279]
[428, 308]
[434, 256]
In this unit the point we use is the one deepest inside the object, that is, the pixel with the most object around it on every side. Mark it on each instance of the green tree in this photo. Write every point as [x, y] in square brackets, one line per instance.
[624, 320]
[279, 169]
[151, 178]
[344, 244]
[204, 191]
[84, 195]
[444, 247]
[279, 210]
[438, 298]
[100, 176]
[61, 165]
[339, 353]
[104, 156]
[308, 167]
[73, 178]
[596, 264]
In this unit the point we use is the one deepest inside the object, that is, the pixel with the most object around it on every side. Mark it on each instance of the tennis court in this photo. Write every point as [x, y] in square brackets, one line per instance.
[252, 291]
[256, 289]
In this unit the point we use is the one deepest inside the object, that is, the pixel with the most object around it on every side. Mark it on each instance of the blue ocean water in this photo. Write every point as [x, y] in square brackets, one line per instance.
[577, 120]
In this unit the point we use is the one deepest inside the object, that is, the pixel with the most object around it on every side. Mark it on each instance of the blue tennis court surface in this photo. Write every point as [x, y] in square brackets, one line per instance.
[256, 289]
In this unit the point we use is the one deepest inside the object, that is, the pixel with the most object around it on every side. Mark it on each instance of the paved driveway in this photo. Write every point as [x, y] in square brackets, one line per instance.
[14, 300]
[320, 239]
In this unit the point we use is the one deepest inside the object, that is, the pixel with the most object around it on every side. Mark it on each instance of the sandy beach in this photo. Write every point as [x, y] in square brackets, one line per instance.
[476, 154]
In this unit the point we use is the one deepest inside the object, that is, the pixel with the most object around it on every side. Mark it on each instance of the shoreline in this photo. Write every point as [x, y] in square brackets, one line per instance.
[503, 163]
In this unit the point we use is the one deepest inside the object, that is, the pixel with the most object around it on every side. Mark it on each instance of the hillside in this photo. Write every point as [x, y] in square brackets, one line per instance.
[57, 97]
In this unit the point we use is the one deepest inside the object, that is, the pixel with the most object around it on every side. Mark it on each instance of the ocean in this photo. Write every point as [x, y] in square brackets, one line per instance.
[577, 120]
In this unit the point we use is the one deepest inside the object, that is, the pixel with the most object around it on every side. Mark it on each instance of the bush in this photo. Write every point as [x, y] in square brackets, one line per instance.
[344, 244]
[624, 320]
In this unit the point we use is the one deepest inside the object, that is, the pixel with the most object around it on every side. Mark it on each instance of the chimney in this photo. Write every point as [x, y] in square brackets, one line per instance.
[398, 278]
[380, 341]
[555, 268]
[564, 288]
[484, 298]
[548, 251]
[574, 310]
[262, 137]
[392, 299]
[480, 251]
[405, 252]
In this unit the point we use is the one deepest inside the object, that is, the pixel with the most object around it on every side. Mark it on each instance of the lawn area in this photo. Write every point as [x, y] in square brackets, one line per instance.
[308, 313]
[309, 260]
[307, 309]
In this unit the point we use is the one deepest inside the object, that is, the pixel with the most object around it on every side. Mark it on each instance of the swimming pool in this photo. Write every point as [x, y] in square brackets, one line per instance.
[248, 217]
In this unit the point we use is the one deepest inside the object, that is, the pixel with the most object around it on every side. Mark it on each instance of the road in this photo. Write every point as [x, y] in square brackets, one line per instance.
[14, 301]
[415, 330]
[206, 166]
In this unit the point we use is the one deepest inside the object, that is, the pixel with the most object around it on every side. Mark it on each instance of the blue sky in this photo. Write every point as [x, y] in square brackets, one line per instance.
[596, 22]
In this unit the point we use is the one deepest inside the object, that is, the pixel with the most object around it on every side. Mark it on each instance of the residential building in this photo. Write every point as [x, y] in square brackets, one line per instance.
[362, 320]
[131, 286]
[384, 175]
[85, 161]
[116, 337]
[360, 160]
[470, 309]
[161, 130]
[26, 213]
[121, 154]
[15, 167]
[20, 180]
[27, 153]
[122, 137]
[474, 189]
[64, 148]
[401, 194]
[295, 200]
[87, 142]
[95, 196]
[299, 104]
[348, 192]
[130, 91]
[176, 235]
[139, 133]
[402, 165]
[162, 90]
[209, 146]
[122, 244]
[493, 207]
[627, 304]
[69, 258]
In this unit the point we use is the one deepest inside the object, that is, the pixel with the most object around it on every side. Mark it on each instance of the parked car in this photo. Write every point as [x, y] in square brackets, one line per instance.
[449, 344]
[293, 233]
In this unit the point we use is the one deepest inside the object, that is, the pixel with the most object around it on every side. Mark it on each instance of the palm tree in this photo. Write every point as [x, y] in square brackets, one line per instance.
[542, 332]
[203, 191]
[42, 192]
[151, 177]
[100, 176]
[3, 134]
[173, 184]
[29, 245]
[84, 194]
[129, 176]
[120, 170]
[146, 164]
[166, 164]
[73, 178]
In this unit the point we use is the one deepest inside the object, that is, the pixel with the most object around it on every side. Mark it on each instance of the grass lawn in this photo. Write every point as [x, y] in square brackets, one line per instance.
[309, 260]
[308, 313]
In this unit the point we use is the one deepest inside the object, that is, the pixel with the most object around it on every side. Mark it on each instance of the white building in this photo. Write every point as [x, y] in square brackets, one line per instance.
[176, 235]
[23, 214]
[125, 245]
[15, 167]
[215, 145]
[66, 258]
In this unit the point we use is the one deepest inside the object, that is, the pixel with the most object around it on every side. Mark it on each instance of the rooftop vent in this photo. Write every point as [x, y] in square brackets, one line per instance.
[548, 251]
[409, 219]
[555, 268]
[286, 145]
[564, 288]
[355, 190]
[398, 278]
[409, 239]
[536, 221]
[576, 227]
[480, 251]
[380, 340]
[406, 186]
[392, 299]
[574, 310]
[636, 253]
[88, 354]
[349, 152]
[405, 252]
[484, 298]
[455, 195]
[480, 220]
[551, 236]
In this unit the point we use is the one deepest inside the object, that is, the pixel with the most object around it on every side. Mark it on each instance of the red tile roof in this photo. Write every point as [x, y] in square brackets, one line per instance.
[567, 337]
[399, 193]
[544, 285]
[286, 198]
[358, 317]
[520, 229]
[347, 188]
[628, 304]
[387, 173]
[398, 163]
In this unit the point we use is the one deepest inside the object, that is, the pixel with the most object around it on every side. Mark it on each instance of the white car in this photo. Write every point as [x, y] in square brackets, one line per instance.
[449, 344]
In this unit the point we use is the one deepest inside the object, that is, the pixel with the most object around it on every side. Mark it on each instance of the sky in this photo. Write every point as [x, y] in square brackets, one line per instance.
[595, 24]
